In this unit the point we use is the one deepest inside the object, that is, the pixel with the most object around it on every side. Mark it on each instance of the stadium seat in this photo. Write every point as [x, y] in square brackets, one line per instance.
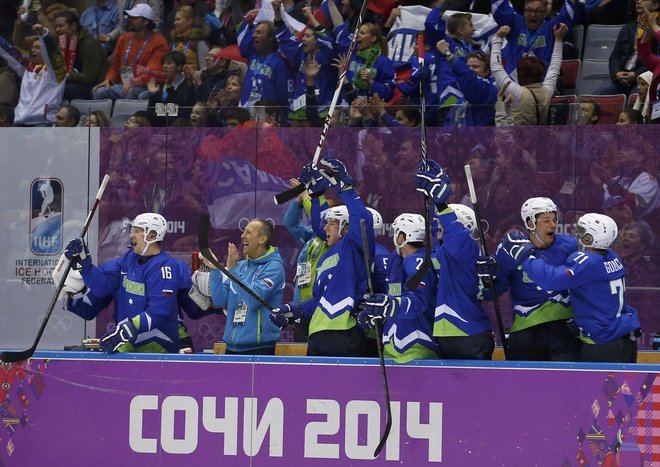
[88, 106]
[600, 41]
[561, 110]
[610, 106]
[578, 38]
[129, 106]
[570, 71]
[593, 75]
[632, 99]
[119, 120]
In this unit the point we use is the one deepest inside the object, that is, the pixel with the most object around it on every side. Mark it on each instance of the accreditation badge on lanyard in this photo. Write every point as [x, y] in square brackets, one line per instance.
[304, 273]
[240, 312]
[655, 112]
[126, 71]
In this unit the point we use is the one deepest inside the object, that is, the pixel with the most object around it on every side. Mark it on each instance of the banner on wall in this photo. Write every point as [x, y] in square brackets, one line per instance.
[321, 412]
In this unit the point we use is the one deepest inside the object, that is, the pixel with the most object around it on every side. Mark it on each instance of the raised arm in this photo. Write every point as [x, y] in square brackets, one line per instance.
[335, 16]
[500, 75]
[550, 81]
[503, 12]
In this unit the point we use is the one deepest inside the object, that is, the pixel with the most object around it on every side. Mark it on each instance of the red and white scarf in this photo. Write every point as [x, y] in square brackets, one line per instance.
[69, 50]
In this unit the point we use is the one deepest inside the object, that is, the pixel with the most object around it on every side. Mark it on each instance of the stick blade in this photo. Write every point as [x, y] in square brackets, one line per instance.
[383, 438]
[203, 225]
[18, 356]
[289, 194]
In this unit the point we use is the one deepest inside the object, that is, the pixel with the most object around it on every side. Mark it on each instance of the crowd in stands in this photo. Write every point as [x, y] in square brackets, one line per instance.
[227, 58]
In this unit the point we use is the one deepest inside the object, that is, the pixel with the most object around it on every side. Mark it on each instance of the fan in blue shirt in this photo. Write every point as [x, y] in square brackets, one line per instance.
[530, 33]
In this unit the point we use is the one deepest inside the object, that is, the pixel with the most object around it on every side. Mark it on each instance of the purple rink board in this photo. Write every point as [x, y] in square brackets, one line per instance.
[76, 408]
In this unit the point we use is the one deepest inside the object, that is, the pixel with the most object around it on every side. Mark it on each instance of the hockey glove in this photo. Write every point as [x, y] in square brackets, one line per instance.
[517, 245]
[336, 172]
[379, 306]
[305, 176]
[486, 269]
[318, 184]
[432, 165]
[281, 316]
[435, 185]
[78, 253]
[125, 333]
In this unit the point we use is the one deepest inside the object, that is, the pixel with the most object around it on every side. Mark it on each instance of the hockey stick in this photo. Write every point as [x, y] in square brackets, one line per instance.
[484, 247]
[21, 355]
[379, 340]
[416, 278]
[291, 193]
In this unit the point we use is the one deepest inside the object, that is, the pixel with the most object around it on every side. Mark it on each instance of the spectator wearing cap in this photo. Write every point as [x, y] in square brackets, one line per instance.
[84, 58]
[100, 20]
[218, 70]
[175, 90]
[138, 55]
[123, 6]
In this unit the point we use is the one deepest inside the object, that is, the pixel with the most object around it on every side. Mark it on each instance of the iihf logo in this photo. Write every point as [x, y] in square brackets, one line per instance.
[46, 216]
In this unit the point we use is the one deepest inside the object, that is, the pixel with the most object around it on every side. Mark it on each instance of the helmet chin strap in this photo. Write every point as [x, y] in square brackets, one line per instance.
[398, 247]
[536, 236]
[146, 247]
[147, 244]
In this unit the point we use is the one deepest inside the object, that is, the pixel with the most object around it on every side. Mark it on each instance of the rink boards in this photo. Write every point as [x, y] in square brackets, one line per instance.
[70, 408]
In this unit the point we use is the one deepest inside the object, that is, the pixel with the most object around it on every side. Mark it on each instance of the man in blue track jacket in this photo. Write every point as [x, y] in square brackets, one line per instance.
[248, 330]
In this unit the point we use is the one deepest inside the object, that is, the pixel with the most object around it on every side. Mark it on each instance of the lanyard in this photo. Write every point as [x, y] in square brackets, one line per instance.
[529, 48]
[130, 44]
[174, 85]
